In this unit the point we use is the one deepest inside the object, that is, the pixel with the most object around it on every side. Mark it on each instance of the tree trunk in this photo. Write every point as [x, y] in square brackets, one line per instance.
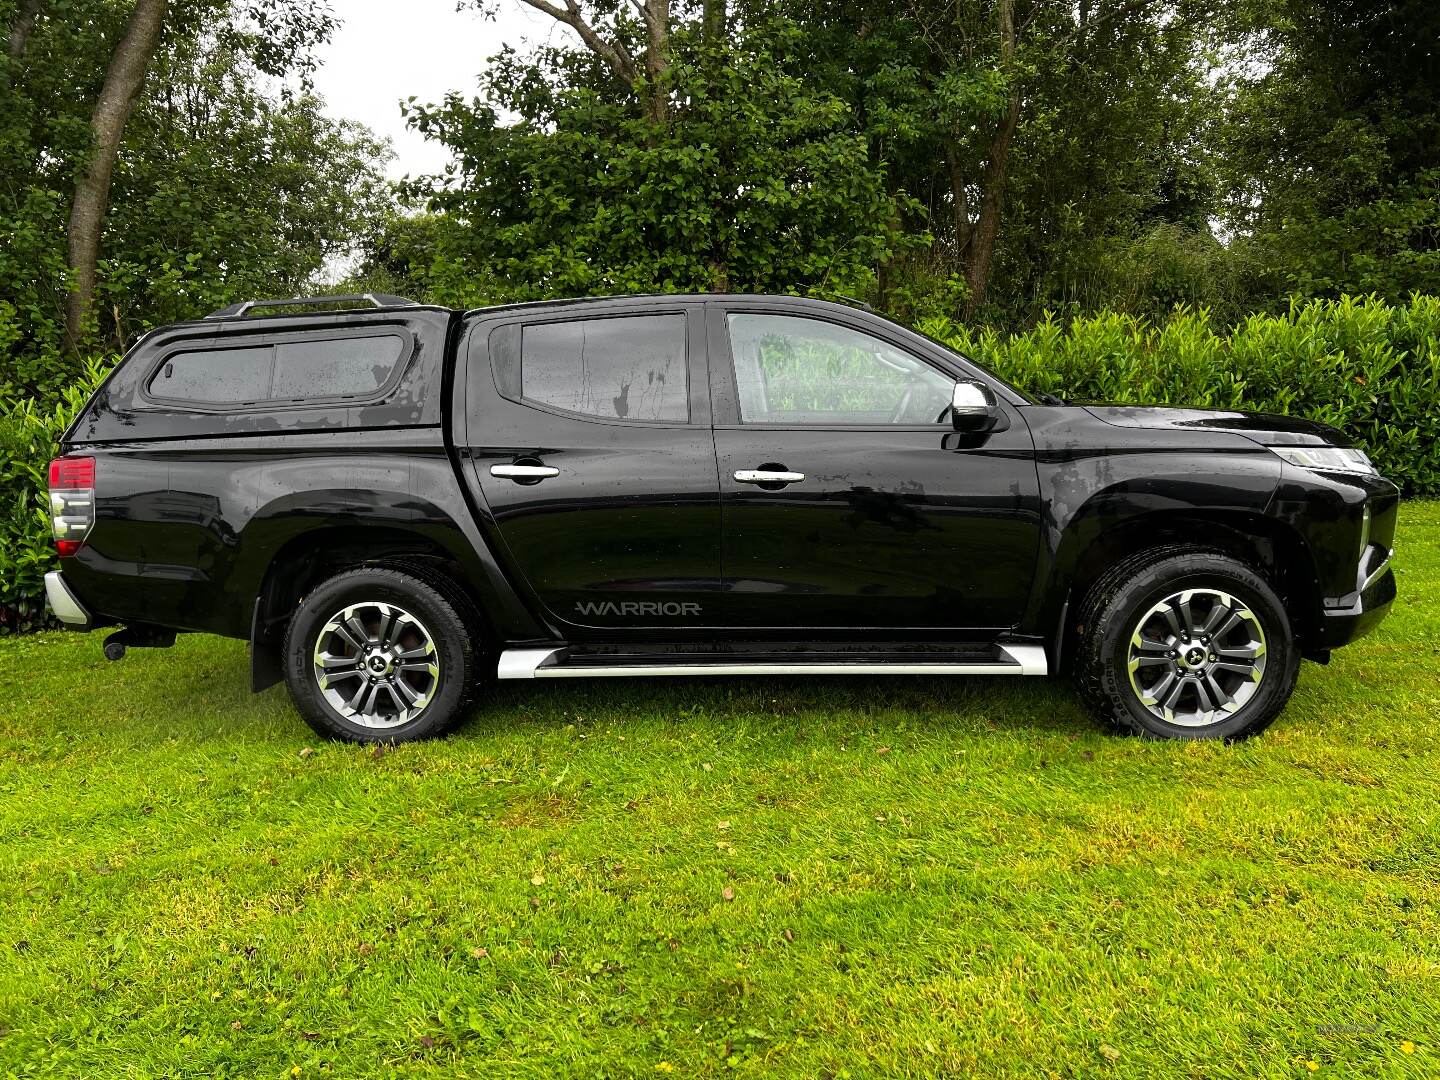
[960, 196]
[992, 202]
[657, 60]
[713, 22]
[21, 30]
[987, 228]
[123, 81]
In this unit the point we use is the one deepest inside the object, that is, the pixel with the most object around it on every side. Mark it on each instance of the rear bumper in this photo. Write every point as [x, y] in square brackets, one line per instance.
[65, 604]
[1340, 626]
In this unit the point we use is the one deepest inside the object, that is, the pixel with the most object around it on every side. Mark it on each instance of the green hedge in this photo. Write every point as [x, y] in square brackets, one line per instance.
[1369, 368]
[1366, 367]
[29, 434]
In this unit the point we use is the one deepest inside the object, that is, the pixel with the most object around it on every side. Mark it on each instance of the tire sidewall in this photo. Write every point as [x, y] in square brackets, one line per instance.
[1154, 584]
[439, 618]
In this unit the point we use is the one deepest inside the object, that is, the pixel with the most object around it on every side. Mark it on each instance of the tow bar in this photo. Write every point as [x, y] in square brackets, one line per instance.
[137, 637]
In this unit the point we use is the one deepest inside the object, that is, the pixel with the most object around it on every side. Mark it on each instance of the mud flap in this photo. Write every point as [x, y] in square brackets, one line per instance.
[266, 664]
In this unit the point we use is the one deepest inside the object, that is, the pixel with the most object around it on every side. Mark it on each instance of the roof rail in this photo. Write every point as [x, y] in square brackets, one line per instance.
[379, 300]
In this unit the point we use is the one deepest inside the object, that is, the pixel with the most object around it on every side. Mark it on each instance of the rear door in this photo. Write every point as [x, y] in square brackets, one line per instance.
[588, 440]
[879, 514]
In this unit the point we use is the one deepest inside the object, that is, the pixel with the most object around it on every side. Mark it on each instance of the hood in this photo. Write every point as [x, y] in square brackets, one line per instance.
[1262, 427]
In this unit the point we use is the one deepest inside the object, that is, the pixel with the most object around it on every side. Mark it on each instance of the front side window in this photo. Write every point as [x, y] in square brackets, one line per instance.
[793, 370]
[284, 371]
[624, 368]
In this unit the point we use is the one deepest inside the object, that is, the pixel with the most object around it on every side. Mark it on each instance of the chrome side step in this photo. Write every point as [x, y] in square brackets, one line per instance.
[523, 663]
[549, 663]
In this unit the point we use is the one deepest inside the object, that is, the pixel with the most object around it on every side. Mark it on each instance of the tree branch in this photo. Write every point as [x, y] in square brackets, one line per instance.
[644, 11]
[1092, 19]
[614, 55]
[20, 32]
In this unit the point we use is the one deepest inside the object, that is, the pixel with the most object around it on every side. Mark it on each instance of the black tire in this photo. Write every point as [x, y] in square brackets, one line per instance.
[435, 614]
[1113, 609]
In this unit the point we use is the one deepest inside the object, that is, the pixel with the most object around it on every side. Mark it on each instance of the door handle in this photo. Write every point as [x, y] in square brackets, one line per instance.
[522, 473]
[767, 476]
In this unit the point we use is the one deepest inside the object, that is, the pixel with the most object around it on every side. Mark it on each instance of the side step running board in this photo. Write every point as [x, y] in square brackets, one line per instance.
[549, 663]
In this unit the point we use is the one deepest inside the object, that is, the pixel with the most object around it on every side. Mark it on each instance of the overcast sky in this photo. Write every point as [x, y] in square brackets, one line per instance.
[387, 50]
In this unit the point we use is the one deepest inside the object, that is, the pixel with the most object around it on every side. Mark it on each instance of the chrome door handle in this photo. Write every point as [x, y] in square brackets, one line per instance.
[523, 472]
[766, 476]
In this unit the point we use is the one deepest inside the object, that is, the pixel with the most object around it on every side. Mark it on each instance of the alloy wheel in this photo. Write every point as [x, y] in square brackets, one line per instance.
[376, 664]
[1196, 657]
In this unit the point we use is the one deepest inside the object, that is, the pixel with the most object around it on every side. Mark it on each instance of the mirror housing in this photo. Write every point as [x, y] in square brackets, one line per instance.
[973, 408]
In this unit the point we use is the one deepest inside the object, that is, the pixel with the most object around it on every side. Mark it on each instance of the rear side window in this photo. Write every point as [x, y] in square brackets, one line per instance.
[324, 368]
[307, 368]
[215, 376]
[624, 368]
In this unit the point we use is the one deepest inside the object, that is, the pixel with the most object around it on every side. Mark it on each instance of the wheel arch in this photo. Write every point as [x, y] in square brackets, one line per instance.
[1273, 548]
[315, 555]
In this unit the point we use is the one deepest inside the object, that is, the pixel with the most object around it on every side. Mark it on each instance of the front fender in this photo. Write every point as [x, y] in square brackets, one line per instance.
[1097, 481]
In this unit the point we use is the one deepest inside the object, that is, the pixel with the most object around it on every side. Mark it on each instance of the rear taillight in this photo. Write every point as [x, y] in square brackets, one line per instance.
[72, 502]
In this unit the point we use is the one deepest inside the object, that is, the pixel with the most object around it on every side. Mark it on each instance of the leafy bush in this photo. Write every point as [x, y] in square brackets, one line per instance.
[29, 438]
[1366, 367]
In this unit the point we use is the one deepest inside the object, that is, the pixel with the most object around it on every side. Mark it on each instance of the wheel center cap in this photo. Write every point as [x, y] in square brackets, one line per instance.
[378, 663]
[1194, 657]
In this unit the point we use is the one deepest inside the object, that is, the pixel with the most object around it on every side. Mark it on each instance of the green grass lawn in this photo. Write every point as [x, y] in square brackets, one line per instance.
[761, 876]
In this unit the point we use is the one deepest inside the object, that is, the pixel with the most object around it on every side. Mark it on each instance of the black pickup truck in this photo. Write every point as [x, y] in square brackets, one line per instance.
[396, 503]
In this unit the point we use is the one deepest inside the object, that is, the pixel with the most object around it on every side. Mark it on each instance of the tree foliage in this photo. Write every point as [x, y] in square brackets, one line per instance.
[1333, 150]
[986, 158]
[1030, 130]
[570, 178]
[990, 159]
[230, 180]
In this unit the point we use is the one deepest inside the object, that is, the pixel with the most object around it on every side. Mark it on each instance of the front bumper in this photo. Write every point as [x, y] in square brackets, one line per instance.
[1375, 592]
[65, 604]
[1347, 523]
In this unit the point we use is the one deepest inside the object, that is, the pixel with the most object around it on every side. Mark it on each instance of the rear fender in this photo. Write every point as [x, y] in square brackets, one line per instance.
[376, 521]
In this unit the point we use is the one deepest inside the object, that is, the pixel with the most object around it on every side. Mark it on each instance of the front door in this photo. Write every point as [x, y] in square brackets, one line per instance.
[848, 499]
[589, 441]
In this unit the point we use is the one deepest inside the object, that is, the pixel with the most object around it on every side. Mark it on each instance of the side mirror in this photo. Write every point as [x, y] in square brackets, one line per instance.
[973, 408]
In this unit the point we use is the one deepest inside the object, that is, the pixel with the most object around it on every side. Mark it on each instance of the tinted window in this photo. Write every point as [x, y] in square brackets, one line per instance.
[629, 368]
[328, 368]
[215, 376]
[809, 371]
[311, 368]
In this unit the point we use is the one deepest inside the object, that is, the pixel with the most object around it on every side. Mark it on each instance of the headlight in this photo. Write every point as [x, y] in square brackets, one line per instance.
[1326, 458]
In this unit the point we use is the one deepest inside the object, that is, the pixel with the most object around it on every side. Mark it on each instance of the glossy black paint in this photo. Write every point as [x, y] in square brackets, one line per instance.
[902, 527]
[194, 508]
[1327, 511]
[634, 514]
[195, 553]
[1271, 428]
[219, 520]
